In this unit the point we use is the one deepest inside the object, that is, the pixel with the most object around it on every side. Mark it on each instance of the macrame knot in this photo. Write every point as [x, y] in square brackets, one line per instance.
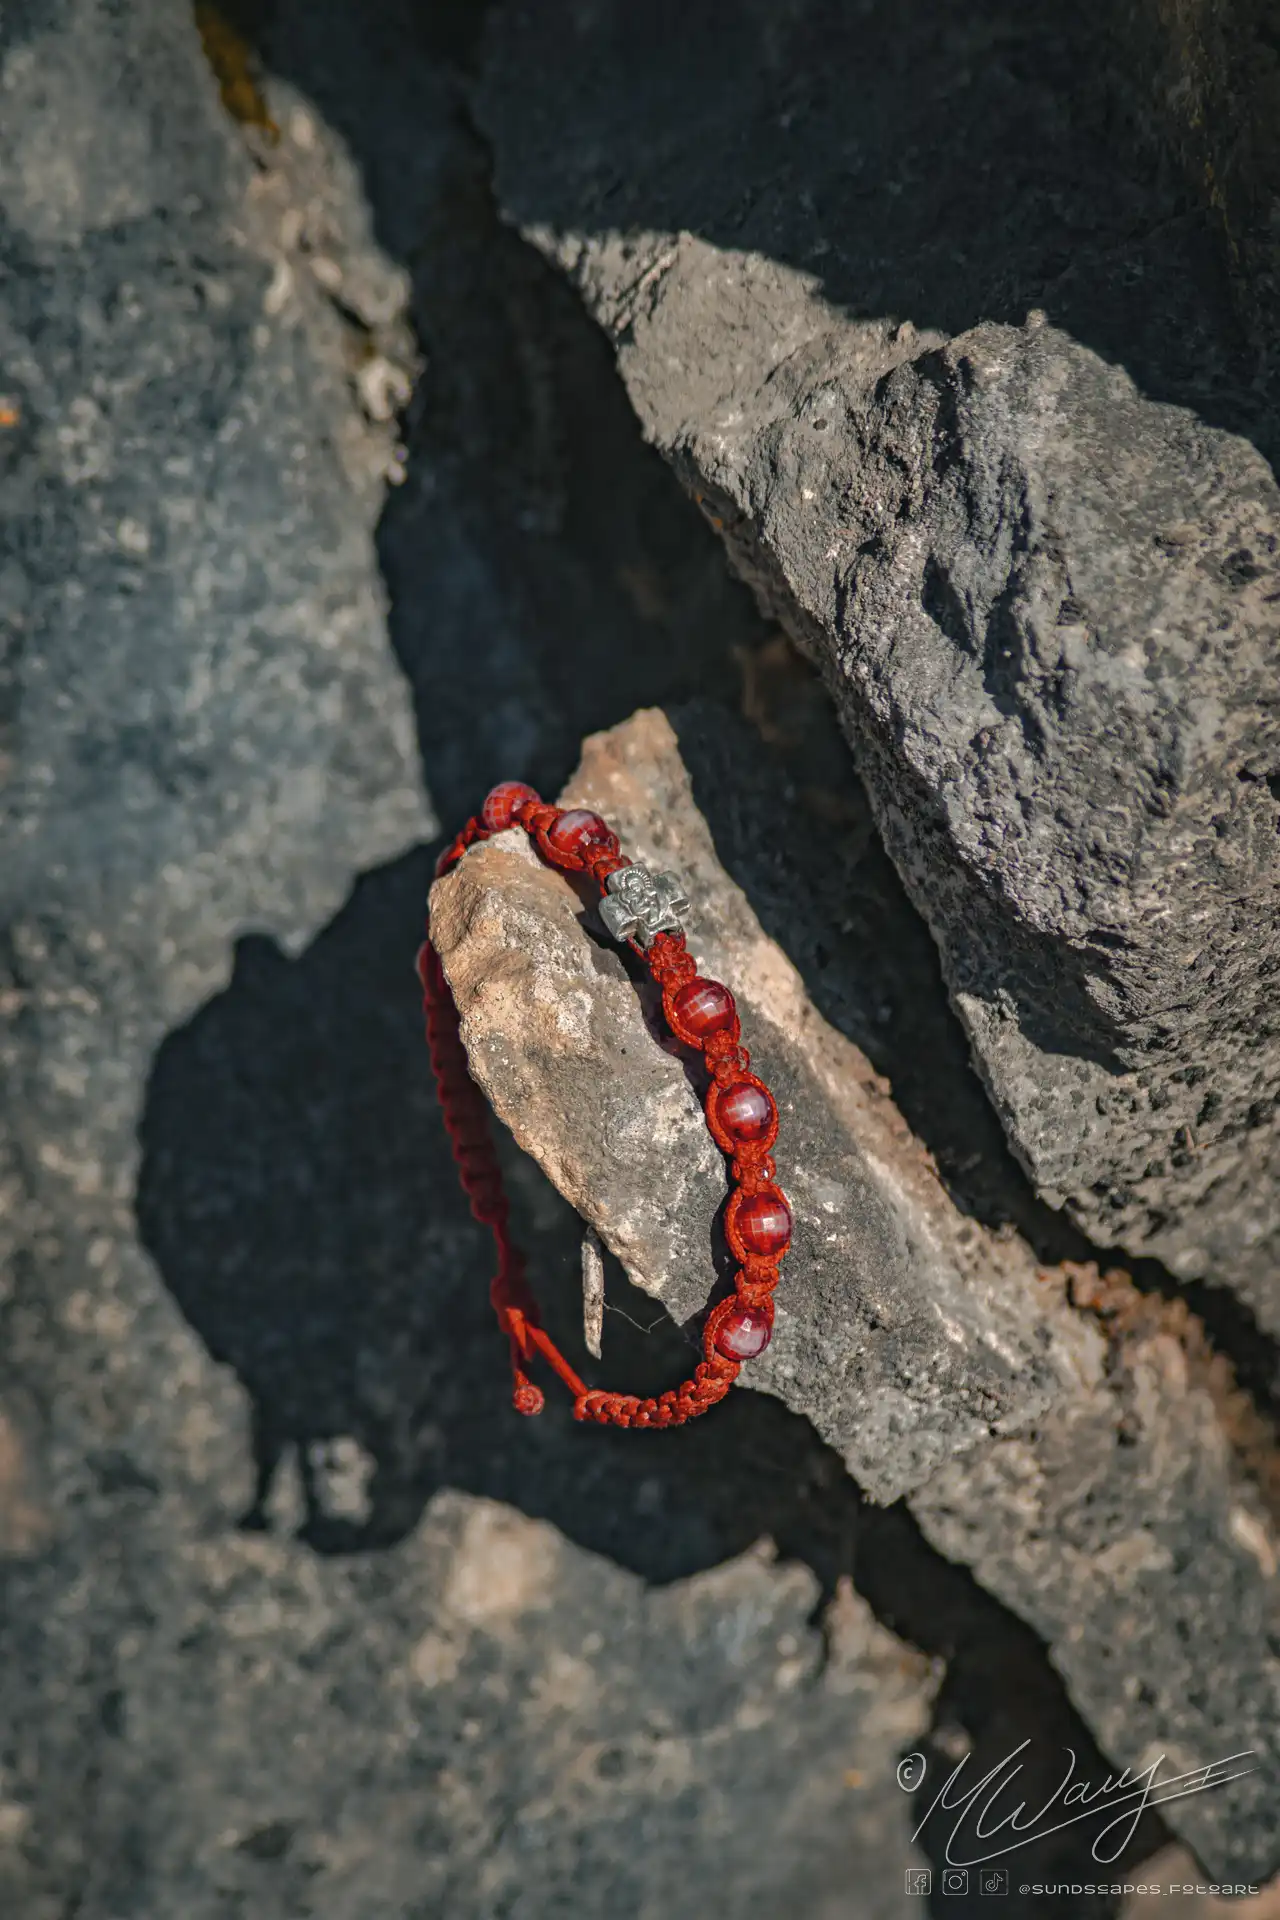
[670, 961]
[751, 1172]
[724, 1056]
[536, 816]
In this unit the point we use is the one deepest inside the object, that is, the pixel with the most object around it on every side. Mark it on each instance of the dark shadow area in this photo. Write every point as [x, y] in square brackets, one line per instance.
[298, 1195]
[924, 162]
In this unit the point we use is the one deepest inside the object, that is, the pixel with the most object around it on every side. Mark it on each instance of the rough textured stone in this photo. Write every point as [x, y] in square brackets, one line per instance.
[1042, 590]
[904, 1331]
[1123, 1518]
[180, 564]
[294, 1614]
[288, 1622]
[1173, 1874]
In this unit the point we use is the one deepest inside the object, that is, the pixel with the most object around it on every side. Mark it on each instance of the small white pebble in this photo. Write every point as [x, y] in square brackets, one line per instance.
[281, 287]
[133, 536]
[327, 272]
[383, 387]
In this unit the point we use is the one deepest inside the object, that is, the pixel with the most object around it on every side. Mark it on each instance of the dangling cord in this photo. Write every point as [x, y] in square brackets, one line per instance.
[741, 1116]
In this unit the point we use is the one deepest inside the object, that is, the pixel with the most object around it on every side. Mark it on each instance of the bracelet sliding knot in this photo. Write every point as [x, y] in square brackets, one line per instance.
[642, 909]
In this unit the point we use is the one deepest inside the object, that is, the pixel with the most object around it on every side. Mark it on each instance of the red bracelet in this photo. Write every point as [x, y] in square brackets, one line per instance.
[641, 909]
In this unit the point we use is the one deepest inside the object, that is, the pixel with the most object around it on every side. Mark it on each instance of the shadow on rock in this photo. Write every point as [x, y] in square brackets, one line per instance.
[296, 1189]
[298, 1196]
[924, 162]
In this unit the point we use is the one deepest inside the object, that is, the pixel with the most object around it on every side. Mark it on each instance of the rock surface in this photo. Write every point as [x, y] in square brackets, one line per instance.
[905, 1332]
[1117, 1518]
[294, 1616]
[288, 1623]
[1040, 577]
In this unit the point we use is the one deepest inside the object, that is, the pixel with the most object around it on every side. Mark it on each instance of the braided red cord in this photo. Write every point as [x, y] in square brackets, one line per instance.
[741, 1117]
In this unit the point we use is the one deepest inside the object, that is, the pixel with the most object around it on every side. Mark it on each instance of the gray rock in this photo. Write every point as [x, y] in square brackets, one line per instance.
[1043, 595]
[904, 1332]
[274, 1631]
[1100, 1489]
[293, 1614]
[180, 564]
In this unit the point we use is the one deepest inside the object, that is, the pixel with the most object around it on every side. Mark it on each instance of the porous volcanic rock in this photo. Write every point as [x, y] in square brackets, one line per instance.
[904, 1331]
[1006, 490]
[276, 1635]
[1096, 1486]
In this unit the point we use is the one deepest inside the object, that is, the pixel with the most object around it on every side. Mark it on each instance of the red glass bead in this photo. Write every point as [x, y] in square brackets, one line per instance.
[743, 1333]
[763, 1221]
[745, 1112]
[704, 1007]
[577, 830]
[504, 803]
